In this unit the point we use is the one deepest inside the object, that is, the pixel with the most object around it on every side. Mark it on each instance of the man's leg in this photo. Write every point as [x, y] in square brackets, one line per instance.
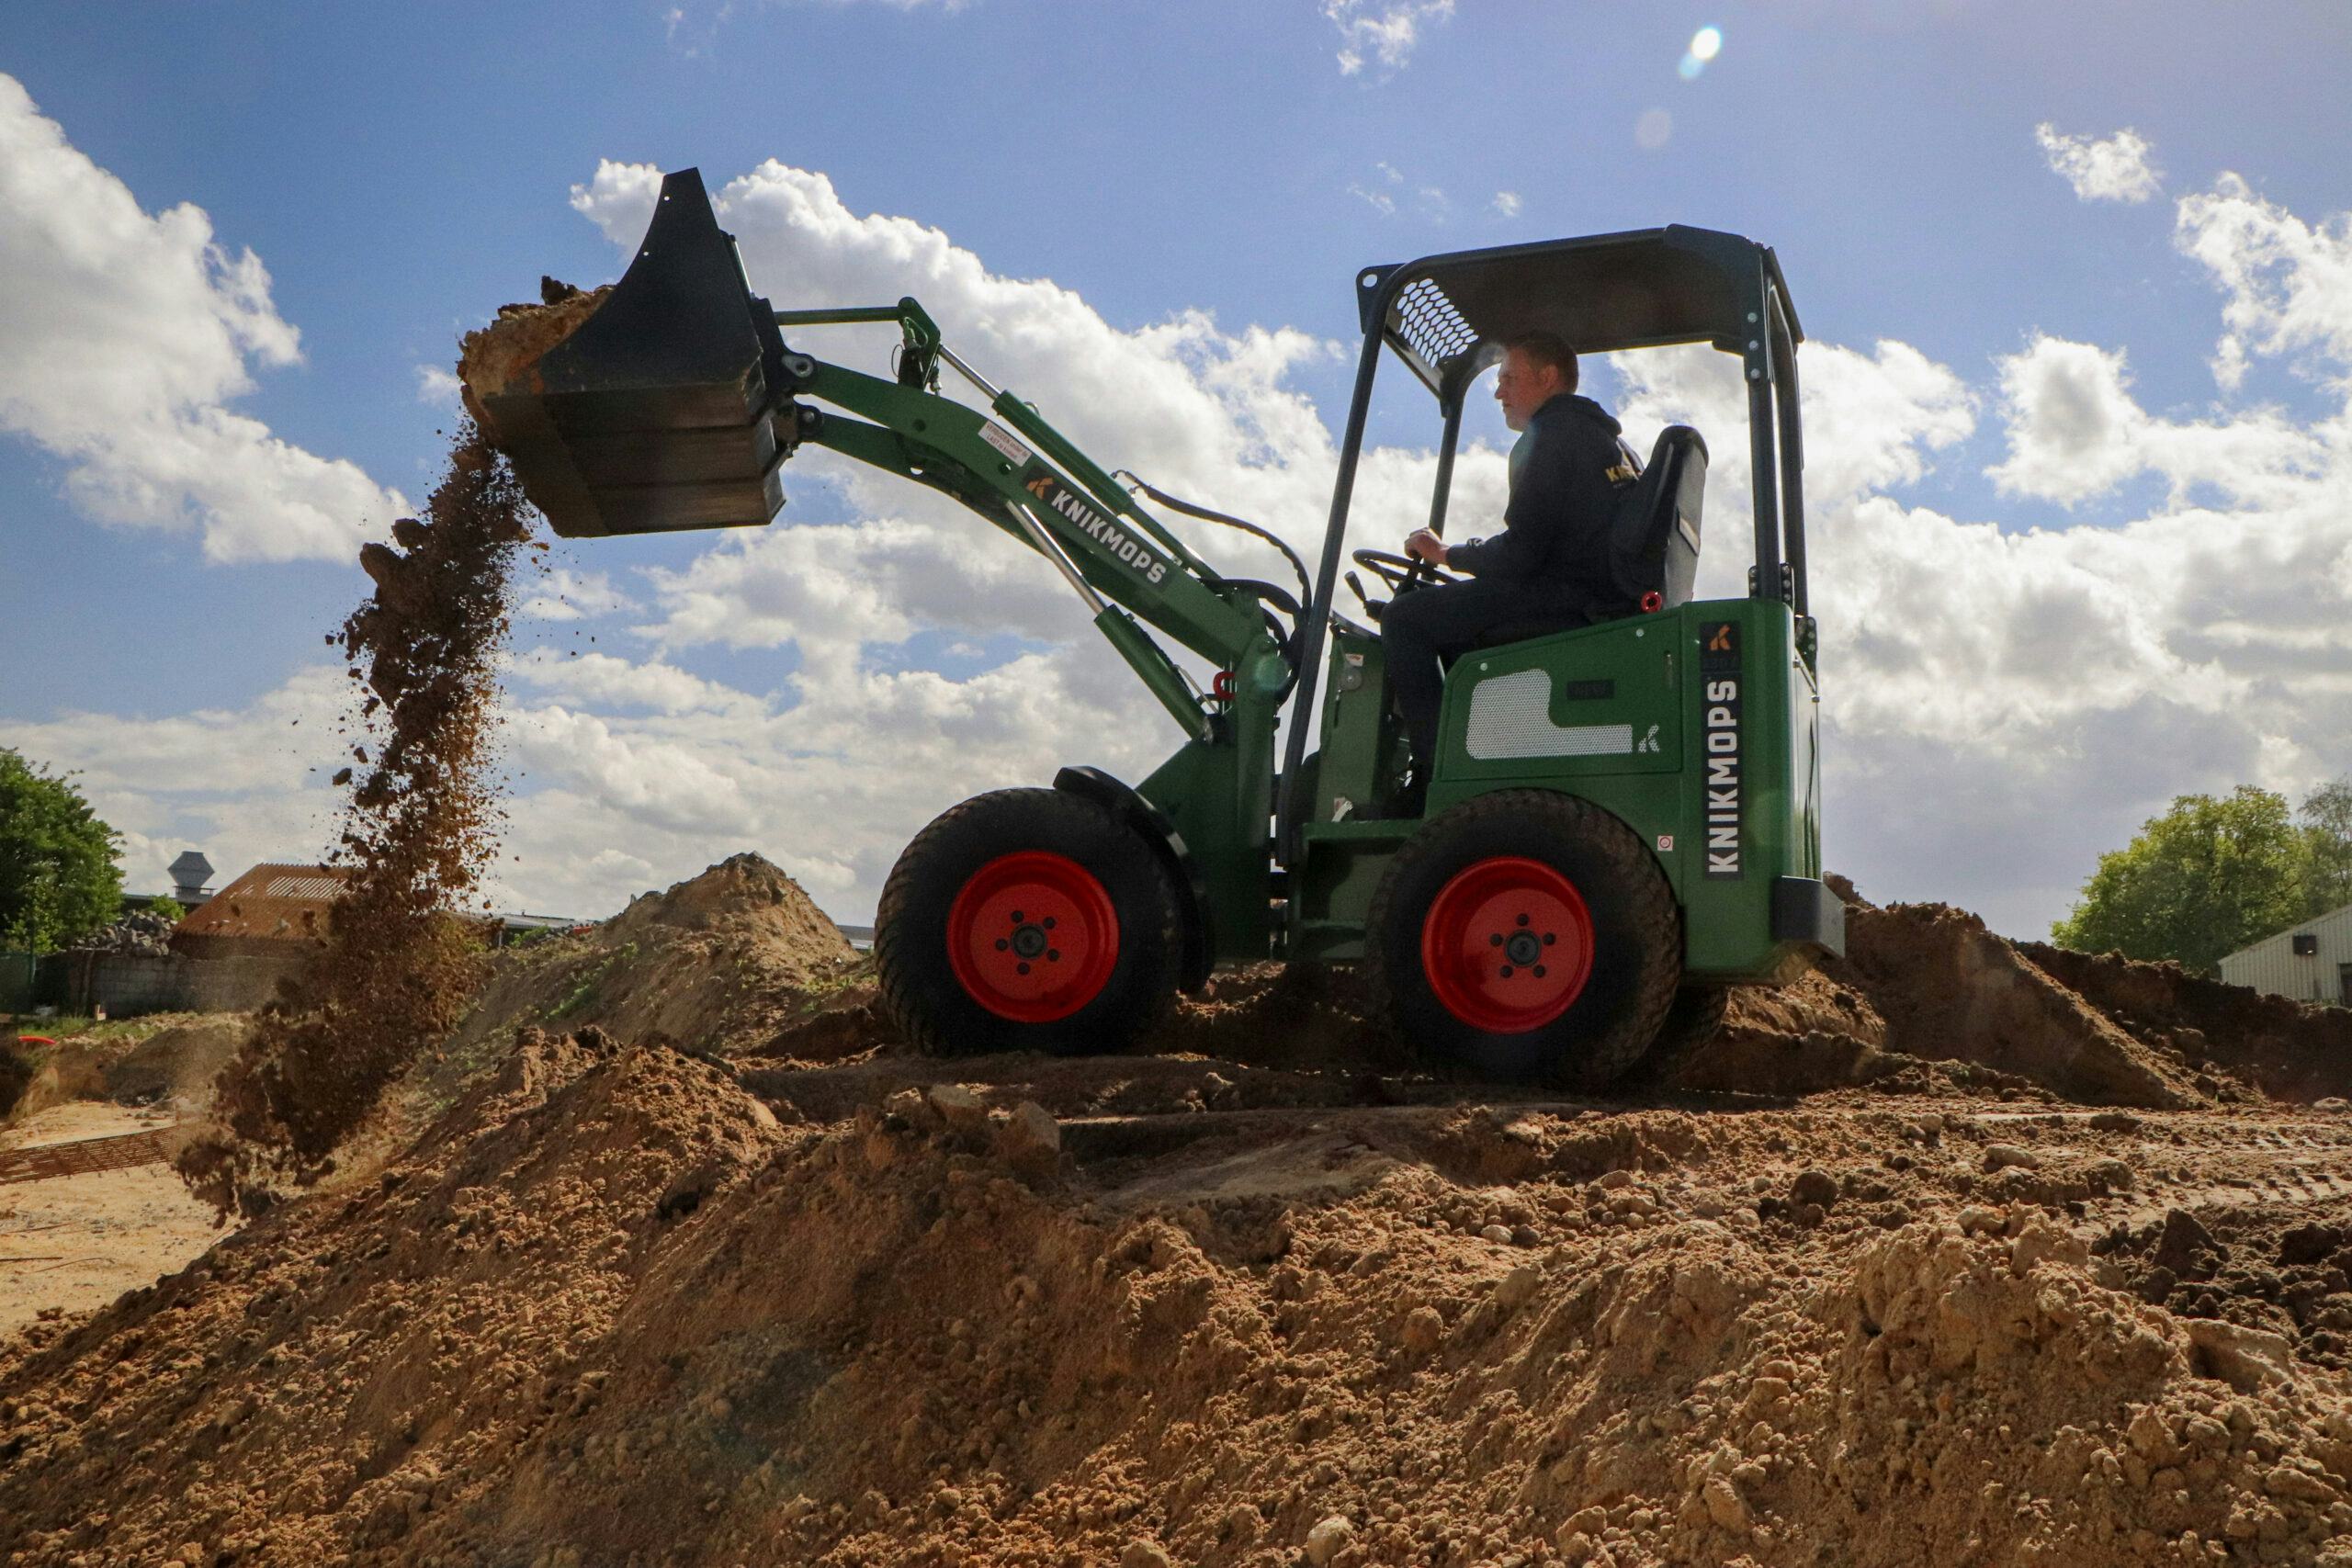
[1420, 628]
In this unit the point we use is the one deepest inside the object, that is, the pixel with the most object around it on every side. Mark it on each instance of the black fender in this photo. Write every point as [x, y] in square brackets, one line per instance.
[1155, 830]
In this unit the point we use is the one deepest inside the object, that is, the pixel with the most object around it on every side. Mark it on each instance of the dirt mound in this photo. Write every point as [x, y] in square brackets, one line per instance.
[395, 971]
[17, 1072]
[2286, 1048]
[161, 1057]
[726, 964]
[613, 1309]
[1927, 999]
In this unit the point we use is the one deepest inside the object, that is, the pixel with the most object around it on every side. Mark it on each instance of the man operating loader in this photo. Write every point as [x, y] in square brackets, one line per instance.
[1550, 568]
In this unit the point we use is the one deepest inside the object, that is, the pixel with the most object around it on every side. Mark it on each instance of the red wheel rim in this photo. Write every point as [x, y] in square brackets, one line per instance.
[1506, 945]
[1033, 936]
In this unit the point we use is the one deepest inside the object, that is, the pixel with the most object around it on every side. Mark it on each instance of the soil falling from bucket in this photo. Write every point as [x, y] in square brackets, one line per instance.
[419, 828]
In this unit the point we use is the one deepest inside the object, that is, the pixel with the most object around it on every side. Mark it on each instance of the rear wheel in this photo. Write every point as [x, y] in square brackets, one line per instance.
[1026, 920]
[1528, 936]
[1691, 1026]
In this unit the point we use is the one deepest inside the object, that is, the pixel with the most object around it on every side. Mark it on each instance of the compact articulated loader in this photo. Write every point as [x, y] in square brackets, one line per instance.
[1623, 820]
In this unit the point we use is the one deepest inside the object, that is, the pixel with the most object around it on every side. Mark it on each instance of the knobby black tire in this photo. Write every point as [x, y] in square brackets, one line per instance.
[933, 1011]
[1637, 940]
[1691, 1026]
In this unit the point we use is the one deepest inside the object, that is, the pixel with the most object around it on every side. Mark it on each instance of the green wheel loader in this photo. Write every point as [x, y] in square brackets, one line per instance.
[1624, 820]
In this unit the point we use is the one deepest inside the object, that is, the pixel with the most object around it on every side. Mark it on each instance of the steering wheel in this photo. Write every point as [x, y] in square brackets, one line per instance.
[1400, 574]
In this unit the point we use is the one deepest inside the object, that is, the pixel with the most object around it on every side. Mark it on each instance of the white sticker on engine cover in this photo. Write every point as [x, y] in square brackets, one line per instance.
[997, 436]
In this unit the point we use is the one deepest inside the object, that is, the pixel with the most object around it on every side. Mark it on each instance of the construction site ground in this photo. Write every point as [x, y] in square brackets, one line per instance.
[1960, 1252]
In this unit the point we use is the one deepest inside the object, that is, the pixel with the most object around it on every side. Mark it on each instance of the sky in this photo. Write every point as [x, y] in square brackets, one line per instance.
[2076, 283]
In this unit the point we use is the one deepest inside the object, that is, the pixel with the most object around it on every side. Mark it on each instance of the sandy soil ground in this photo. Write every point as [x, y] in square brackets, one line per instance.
[1960, 1253]
[70, 1245]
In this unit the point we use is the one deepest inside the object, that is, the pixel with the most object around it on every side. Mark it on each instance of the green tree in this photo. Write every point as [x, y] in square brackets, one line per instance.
[2202, 880]
[166, 905]
[58, 879]
[2326, 820]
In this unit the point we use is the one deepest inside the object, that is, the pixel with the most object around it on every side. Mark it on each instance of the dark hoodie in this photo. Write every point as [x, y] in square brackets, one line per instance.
[1563, 500]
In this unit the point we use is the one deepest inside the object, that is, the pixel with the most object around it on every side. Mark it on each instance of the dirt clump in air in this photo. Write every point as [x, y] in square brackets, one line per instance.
[395, 971]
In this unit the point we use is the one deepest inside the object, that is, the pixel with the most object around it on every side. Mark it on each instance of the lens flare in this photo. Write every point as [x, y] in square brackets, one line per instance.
[1690, 67]
[1706, 43]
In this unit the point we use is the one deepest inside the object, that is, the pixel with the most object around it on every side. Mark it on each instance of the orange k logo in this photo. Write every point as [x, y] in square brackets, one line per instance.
[1721, 641]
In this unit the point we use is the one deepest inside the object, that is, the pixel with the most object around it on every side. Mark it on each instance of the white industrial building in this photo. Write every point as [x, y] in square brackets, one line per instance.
[2310, 962]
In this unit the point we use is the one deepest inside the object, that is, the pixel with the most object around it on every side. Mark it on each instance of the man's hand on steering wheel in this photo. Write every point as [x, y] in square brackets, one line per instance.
[1424, 546]
[1400, 574]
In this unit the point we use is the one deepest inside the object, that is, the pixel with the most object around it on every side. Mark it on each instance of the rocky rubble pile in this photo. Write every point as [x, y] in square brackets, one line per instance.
[138, 932]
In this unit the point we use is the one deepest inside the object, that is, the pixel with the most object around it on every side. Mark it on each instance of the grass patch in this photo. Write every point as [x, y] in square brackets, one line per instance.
[584, 993]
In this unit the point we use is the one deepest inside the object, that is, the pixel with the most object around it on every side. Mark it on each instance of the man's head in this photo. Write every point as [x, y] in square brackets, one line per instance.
[1537, 368]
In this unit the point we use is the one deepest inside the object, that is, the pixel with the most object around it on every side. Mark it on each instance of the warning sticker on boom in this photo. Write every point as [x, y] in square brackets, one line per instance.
[1002, 439]
[1719, 671]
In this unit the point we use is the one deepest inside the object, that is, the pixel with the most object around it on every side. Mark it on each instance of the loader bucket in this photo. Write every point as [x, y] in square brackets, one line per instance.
[661, 410]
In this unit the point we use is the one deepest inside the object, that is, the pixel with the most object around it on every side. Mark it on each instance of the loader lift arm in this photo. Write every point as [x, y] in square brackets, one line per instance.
[676, 404]
[1018, 473]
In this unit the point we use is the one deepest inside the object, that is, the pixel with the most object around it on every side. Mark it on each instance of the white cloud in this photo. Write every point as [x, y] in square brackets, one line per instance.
[244, 786]
[124, 338]
[2285, 284]
[1380, 201]
[2075, 432]
[1507, 202]
[439, 385]
[2113, 168]
[1382, 30]
[564, 595]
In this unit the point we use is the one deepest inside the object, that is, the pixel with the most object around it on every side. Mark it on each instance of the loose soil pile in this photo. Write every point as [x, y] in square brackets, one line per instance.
[504, 355]
[771, 1292]
[395, 970]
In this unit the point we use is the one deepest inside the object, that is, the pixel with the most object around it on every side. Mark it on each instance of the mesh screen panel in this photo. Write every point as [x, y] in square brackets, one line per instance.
[1429, 324]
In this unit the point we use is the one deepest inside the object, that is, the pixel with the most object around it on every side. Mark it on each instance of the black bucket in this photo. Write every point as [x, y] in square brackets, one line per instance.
[664, 409]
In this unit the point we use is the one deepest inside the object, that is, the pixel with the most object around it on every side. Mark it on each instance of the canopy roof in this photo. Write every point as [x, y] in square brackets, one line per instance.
[1447, 315]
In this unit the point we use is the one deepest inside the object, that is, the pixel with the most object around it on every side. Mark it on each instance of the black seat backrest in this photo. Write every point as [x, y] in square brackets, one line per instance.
[1655, 545]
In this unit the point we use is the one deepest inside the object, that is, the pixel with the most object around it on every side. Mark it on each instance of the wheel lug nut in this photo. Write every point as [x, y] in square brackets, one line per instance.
[1506, 971]
[1049, 922]
[1001, 944]
[1539, 971]
[1522, 919]
[1024, 969]
[1053, 955]
[1549, 939]
[1495, 940]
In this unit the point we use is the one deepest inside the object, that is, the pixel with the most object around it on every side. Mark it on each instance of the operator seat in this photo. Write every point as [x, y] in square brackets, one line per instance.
[1654, 542]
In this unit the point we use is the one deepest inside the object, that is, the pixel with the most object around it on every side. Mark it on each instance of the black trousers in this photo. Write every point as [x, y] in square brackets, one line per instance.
[1429, 625]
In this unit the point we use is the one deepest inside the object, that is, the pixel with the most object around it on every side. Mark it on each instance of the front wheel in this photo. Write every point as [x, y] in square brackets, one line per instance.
[1027, 919]
[1527, 936]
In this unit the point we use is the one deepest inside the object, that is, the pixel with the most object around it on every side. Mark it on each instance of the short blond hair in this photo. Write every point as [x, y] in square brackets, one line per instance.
[1547, 349]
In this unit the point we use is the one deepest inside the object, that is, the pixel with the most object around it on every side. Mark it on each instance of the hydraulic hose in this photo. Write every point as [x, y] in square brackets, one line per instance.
[1192, 508]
